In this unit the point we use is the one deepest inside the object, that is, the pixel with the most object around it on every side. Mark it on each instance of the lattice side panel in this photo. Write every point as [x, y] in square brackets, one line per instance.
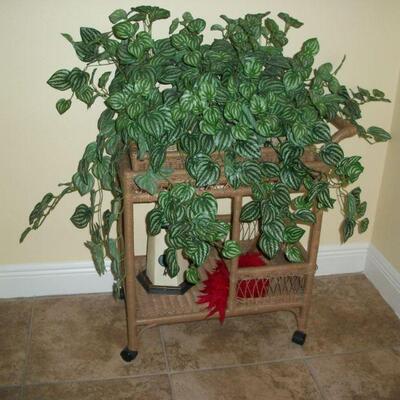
[268, 289]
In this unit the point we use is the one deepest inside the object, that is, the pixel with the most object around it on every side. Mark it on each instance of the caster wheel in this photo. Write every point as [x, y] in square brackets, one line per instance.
[128, 355]
[299, 337]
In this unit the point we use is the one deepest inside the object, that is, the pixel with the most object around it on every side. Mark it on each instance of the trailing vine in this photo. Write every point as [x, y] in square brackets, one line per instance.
[218, 104]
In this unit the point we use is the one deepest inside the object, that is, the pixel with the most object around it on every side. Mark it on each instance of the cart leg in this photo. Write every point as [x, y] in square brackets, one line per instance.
[129, 353]
[299, 336]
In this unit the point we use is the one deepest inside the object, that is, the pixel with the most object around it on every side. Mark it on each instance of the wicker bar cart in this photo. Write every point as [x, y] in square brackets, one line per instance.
[289, 284]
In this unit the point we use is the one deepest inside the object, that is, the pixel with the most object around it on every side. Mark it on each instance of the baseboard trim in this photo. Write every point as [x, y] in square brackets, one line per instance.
[384, 276]
[28, 280]
[342, 259]
[48, 279]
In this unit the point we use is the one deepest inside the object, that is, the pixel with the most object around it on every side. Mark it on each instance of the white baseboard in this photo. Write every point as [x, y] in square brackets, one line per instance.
[342, 259]
[384, 277]
[29, 280]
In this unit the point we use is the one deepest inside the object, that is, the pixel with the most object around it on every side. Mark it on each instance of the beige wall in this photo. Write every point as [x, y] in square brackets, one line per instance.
[386, 235]
[40, 148]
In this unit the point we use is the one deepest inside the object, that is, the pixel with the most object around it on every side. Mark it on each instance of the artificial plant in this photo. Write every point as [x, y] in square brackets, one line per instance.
[219, 104]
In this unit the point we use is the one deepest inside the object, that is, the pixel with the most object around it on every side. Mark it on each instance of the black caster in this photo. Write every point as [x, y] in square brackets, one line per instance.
[299, 337]
[128, 355]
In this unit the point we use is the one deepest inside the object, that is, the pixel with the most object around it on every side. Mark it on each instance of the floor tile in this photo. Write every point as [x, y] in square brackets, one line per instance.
[276, 381]
[80, 337]
[348, 314]
[14, 327]
[239, 340]
[10, 393]
[144, 388]
[360, 376]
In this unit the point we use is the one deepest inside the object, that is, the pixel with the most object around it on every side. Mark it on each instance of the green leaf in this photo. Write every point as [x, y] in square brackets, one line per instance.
[351, 206]
[363, 225]
[321, 132]
[84, 184]
[97, 251]
[198, 252]
[78, 79]
[174, 25]
[275, 230]
[81, 216]
[157, 157]
[85, 94]
[231, 249]
[89, 35]
[153, 123]
[379, 134]
[331, 154]
[293, 254]
[183, 192]
[206, 205]
[270, 170]
[147, 182]
[217, 27]
[123, 30]
[305, 215]
[103, 79]
[154, 222]
[197, 25]
[117, 101]
[171, 262]
[293, 234]
[292, 80]
[203, 169]
[289, 21]
[348, 228]
[311, 46]
[157, 13]
[24, 234]
[192, 58]
[280, 195]
[250, 212]
[361, 209]
[59, 80]
[117, 16]
[269, 246]
[192, 275]
[63, 105]
[115, 256]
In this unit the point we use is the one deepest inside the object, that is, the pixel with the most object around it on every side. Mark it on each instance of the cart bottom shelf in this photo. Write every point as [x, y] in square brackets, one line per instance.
[285, 293]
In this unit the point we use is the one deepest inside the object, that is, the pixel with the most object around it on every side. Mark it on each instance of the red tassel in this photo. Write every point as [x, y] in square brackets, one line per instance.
[216, 287]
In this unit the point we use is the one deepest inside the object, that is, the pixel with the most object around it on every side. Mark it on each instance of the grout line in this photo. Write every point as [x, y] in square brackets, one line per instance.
[27, 354]
[313, 374]
[171, 386]
[178, 372]
[94, 380]
[279, 360]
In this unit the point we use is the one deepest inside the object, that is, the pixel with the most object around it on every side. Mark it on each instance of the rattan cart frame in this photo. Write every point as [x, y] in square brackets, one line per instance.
[289, 284]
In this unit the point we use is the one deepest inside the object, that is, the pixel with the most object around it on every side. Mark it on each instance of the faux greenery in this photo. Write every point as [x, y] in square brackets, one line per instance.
[221, 101]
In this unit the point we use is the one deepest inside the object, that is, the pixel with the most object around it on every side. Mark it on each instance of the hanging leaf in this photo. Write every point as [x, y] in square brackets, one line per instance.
[192, 275]
[81, 216]
[63, 105]
[231, 249]
[293, 254]
[60, 80]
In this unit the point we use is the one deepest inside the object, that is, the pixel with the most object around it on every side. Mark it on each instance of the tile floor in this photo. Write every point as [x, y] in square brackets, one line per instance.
[67, 348]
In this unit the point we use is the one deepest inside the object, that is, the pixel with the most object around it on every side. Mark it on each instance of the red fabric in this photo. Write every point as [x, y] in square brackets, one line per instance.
[216, 287]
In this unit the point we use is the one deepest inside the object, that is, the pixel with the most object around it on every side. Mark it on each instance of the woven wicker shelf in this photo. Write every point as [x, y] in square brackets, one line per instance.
[164, 309]
[280, 285]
